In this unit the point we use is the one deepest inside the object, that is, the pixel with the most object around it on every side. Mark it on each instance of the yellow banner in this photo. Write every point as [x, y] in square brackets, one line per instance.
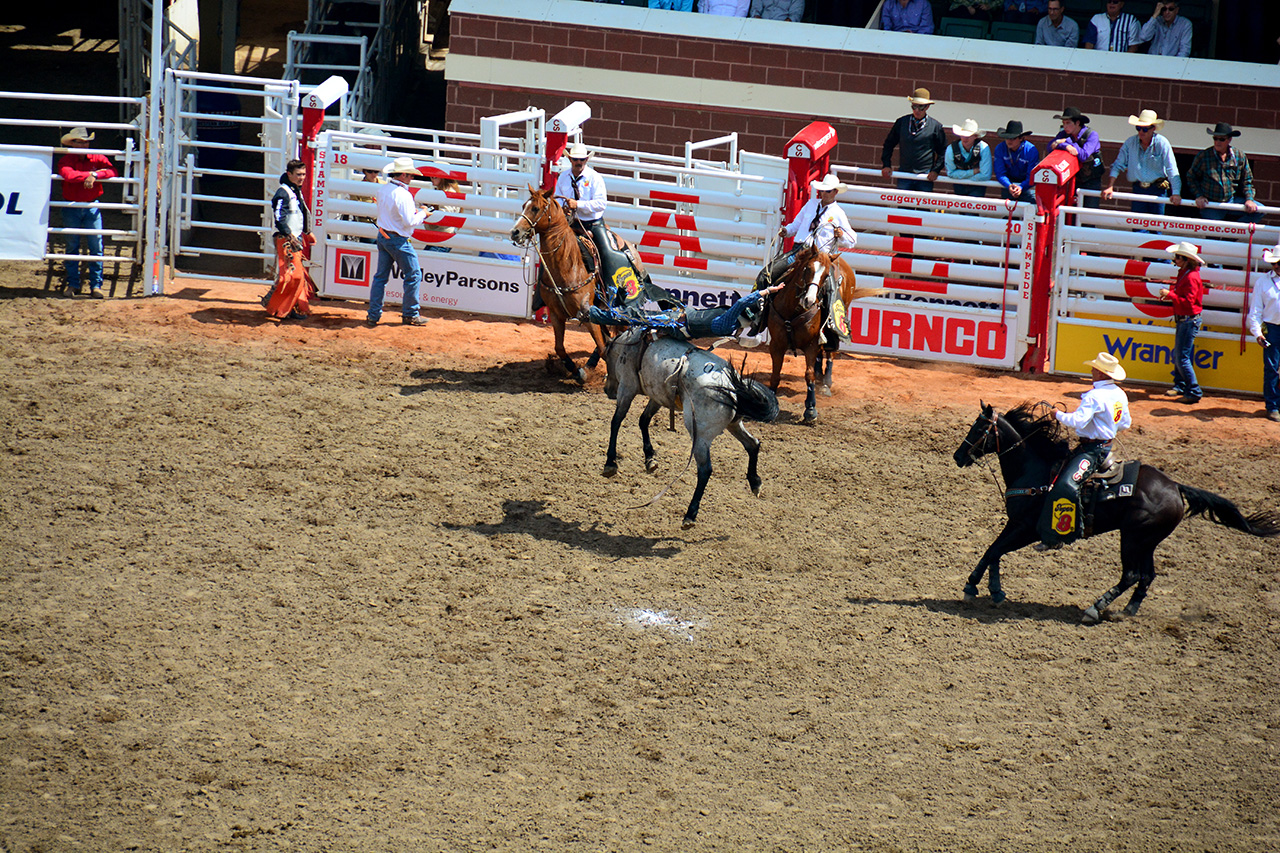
[1147, 356]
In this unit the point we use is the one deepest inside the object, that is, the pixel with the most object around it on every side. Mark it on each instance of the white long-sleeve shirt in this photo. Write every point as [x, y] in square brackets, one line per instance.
[1264, 304]
[1103, 412]
[397, 213]
[823, 236]
[592, 198]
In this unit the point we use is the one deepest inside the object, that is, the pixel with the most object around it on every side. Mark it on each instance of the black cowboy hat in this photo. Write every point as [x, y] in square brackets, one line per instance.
[1223, 129]
[1013, 131]
[1073, 114]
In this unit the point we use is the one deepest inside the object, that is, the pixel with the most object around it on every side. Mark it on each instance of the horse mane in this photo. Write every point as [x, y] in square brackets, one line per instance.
[1041, 432]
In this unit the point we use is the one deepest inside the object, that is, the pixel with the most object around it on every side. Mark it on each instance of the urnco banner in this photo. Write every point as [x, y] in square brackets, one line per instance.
[24, 205]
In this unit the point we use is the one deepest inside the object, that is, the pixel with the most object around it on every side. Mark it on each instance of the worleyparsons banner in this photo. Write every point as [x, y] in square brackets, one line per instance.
[24, 205]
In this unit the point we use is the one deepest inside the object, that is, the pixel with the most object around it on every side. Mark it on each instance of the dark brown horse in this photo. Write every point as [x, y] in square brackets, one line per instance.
[564, 283]
[796, 321]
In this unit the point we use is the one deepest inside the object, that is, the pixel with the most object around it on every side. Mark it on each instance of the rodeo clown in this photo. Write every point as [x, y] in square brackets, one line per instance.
[822, 223]
[1102, 414]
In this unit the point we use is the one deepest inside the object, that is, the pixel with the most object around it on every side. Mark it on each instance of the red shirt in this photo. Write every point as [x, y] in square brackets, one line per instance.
[74, 168]
[1187, 293]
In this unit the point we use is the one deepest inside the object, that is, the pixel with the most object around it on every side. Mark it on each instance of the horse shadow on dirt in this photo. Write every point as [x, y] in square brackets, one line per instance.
[982, 611]
[531, 519]
[512, 377]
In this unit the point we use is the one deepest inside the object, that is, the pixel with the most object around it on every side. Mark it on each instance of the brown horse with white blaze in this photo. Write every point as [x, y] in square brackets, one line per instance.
[565, 284]
[796, 320]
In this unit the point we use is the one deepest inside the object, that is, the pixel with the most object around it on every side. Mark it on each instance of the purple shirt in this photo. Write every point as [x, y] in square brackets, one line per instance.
[1084, 150]
[917, 17]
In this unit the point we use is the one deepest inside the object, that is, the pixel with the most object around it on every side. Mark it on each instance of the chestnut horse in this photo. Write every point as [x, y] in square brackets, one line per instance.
[564, 283]
[795, 319]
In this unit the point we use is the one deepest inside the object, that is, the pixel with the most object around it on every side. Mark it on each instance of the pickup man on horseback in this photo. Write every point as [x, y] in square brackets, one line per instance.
[1103, 412]
[822, 223]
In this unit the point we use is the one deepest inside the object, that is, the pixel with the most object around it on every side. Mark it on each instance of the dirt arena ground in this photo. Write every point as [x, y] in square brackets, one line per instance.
[318, 587]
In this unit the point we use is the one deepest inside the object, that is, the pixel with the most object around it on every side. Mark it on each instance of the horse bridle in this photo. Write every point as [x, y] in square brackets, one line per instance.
[533, 223]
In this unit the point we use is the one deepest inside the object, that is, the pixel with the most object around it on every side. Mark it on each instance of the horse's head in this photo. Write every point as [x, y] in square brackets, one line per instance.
[620, 359]
[535, 212]
[981, 439]
[805, 275]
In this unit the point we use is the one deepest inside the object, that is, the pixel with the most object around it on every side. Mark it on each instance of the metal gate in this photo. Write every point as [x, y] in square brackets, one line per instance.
[225, 140]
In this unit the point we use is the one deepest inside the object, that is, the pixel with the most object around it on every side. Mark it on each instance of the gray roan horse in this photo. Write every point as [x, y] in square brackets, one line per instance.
[673, 374]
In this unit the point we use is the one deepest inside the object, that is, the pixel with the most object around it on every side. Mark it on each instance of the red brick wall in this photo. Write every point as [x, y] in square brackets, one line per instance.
[664, 128]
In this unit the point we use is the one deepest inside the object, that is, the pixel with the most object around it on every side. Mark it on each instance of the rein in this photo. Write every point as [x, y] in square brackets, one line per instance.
[994, 431]
[560, 290]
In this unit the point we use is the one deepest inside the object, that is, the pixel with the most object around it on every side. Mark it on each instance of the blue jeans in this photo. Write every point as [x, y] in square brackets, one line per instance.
[1184, 371]
[914, 185]
[1150, 208]
[972, 192]
[83, 217]
[1219, 215]
[1271, 367]
[395, 249]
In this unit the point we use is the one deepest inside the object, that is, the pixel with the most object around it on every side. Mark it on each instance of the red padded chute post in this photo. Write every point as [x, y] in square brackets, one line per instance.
[808, 160]
[1055, 182]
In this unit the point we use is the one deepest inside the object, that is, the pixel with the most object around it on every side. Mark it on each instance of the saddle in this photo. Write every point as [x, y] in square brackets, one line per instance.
[618, 269]
[1113, 480]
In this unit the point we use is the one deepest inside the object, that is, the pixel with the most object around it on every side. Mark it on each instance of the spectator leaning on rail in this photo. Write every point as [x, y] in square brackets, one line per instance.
[1264, 324]
[729, 8]
[968, 159]
[1221, 173]
[82, 176]
[1080, 142]
[777, 10]
[1056, 29]
[907, 16]
[1113, 30]
[1014, 162]
[920, 140]
[1187, 296]
[1146, 158]
[1169, 35]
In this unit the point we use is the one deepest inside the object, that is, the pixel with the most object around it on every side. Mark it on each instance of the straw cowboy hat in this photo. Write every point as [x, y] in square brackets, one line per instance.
[578, 151]
[1108, 364]
[967, 128]
[1012, 131]
[77, 133]
[1187, 250]
[401, 166]
[1074, 115]
[829, 183]
[920, 96]
[1223, 129]
[1272, 255]
[1146, 118]
[372, 131]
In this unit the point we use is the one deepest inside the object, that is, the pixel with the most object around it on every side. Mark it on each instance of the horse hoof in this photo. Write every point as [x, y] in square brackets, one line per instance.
[687, 523]
[610, 470]
[755, 488]
[651, 465]
[998, 599]
[970, 598]
[1131, 610]
[825, 390]
[811, 416]
[1091, 616]
[581, 376]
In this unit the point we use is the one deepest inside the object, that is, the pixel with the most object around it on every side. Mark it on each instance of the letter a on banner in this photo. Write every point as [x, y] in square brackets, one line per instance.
[24, 212]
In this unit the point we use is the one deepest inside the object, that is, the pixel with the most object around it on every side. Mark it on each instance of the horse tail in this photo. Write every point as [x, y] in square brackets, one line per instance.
[754, 401]
[1222, 511]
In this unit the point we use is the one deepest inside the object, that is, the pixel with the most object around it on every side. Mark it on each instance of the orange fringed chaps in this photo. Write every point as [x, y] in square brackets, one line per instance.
[294, 287]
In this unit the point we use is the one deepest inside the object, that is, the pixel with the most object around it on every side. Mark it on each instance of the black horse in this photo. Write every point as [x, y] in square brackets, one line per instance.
[1032, 448]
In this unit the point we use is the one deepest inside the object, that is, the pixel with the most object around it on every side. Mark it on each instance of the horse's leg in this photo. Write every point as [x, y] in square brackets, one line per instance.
[752, 446]
[810, 400]
[650, 462]
[701, 455]
[1138, 566]
[1011, 538]
[557, 325]
[597, 335]
[829, 360]
[777, 352]
[619, 415]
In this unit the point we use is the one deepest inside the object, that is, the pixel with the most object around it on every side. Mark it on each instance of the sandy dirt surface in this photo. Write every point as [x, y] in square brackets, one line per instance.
[310, 586]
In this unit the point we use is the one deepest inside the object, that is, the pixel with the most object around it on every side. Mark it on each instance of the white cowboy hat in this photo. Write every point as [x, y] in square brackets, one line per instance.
[80, 133]
[1108, 364]
[967, 128]
[1272, 255]
[1187, 250]
[920, 96]
[401, 166]
[578, 151]
[371, 131]
[830, 182]
[1146, 118]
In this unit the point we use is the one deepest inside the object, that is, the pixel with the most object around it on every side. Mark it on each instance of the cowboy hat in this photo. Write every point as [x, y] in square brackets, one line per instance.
[1108, 364]
[920, 96]
[578, 151]
[1146, 118]
[1187, 250]
[1073, 114]
[371, 131]
[967, 128]
[1222, 129]
[1272, 255]
[1012, 131]
[401, 166]
[80, 133]
[830, 182]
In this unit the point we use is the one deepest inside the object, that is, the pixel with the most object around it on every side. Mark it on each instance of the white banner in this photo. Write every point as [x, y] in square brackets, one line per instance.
[24, 205]
[455, 282]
